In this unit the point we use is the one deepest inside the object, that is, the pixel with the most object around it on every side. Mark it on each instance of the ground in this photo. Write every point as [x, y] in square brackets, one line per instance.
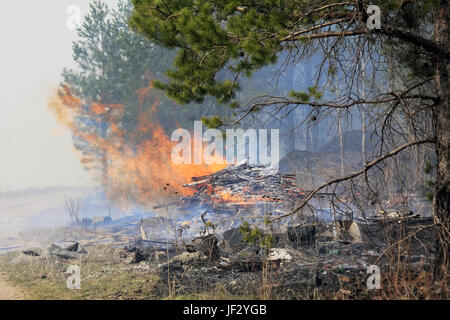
[9, 291]
[323, 269]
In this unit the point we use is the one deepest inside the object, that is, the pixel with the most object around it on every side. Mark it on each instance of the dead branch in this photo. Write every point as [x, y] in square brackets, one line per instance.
[367, 166]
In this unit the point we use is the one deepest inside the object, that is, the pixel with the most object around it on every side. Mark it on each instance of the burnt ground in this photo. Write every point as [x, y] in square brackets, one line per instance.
[315, 261]
[305, 262]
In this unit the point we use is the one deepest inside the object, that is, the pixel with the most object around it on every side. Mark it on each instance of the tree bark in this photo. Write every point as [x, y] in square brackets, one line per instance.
[442, 118]
[341, 143]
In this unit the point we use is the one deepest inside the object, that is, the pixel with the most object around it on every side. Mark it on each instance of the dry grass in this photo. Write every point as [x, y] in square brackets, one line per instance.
[107, 275]
[104, 276]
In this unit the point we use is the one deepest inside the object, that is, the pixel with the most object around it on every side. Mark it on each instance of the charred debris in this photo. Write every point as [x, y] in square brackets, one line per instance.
[219, 236]
[227, 240]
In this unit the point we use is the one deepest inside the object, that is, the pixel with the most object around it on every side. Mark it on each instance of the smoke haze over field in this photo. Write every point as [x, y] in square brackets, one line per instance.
[36, 45]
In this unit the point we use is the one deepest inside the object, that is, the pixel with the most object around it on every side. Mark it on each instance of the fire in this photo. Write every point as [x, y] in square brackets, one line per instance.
[130, 172]
[228, 196]
[235, 198]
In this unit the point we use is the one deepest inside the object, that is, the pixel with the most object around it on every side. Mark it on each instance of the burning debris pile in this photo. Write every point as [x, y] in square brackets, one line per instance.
[224, 199]
[242, 185]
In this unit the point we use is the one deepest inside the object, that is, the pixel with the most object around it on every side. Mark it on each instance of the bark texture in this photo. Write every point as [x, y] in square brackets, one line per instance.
[442, 197]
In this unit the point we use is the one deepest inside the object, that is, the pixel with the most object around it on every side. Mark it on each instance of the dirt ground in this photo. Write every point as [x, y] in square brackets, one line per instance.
[8, 291]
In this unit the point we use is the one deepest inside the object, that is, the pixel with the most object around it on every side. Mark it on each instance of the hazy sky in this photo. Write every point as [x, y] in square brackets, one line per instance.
[35, 151]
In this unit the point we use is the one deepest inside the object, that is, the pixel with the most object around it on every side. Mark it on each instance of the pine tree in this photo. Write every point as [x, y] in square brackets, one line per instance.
[221, 41]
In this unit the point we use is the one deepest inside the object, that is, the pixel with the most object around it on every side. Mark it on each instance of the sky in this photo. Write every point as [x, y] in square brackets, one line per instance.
[36, 44]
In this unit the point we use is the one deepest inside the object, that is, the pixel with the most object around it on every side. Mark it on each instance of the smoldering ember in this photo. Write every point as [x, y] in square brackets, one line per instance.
[286, 150]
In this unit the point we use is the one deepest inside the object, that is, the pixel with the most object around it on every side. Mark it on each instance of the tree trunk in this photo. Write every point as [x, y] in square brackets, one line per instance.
[341, 143]
[341, 133]
[291, 124]
[104, 164]
[442, 197]
[363, 114]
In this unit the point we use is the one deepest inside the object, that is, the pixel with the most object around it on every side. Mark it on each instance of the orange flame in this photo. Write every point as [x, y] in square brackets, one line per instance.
[236, 198]
[142, 172]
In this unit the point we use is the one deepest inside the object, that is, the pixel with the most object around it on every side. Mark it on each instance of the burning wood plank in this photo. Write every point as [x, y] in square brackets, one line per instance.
[196, 183]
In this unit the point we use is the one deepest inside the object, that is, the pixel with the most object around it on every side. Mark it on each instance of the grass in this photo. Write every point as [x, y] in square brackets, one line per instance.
[104, 276]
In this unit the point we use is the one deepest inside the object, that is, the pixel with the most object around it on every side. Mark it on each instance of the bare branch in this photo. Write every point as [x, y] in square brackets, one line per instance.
[367, 166]
[426, 44]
